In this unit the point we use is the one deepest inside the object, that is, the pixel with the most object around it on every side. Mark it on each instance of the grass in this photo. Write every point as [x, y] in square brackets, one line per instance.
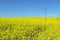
[29, 29]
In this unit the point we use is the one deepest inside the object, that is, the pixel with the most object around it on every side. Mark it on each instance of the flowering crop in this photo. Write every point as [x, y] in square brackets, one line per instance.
[29, 29]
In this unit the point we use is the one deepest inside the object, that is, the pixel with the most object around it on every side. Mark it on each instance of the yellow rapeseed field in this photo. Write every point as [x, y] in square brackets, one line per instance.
[29, 29]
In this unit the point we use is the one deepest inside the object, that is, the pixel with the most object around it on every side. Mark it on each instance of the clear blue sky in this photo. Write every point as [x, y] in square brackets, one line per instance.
[21, 8]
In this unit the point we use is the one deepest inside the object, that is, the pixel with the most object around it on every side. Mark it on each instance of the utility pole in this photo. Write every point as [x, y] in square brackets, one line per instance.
[45, 14]
[57, 16]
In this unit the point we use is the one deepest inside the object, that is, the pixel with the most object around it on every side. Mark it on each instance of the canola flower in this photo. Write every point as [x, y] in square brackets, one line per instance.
[29, 29]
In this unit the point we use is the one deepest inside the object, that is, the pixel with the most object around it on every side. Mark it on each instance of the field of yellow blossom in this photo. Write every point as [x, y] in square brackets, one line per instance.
[29, 29]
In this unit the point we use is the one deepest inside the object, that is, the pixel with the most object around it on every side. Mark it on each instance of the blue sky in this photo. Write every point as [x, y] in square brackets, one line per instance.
[22, 8]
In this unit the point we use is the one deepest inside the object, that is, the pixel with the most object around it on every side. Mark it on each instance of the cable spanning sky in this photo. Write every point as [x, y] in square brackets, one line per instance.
[22, 8]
